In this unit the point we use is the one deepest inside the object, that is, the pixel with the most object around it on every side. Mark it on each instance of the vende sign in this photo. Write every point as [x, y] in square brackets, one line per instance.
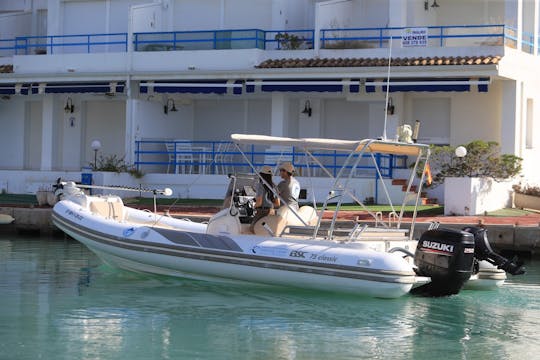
[414, 37]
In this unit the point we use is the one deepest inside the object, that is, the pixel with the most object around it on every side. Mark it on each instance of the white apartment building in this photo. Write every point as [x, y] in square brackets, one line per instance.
[138, 76]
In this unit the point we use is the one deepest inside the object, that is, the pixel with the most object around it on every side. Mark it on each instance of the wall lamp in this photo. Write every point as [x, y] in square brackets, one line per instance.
[390, 107]
[171, 107]
[307, 108]
[69, 108]
[434, 5]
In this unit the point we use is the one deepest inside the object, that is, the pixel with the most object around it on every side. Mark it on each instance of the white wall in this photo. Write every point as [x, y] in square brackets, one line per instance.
[477, 117]
[467, 12]
[91, 17]
[434, 113]
[13, 25]
[70, 128]
[12, 113]
[241, 14]
[367, 13]
[217, 119]
[345, 119]
[32, 135]
[475, 196]
[105, 120]
[152, 123]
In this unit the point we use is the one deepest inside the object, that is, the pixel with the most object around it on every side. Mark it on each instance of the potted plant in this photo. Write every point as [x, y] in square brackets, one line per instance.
[288, 41]
[477, 182]
[112, 163]
[527, 196]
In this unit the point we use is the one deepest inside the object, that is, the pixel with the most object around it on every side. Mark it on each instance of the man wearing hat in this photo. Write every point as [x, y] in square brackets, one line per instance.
[264, 197]
[289, 187]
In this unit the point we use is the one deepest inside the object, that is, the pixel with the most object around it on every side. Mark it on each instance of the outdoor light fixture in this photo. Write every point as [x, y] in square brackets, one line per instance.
[95, 145]
[461, 151]
[390, 107]
[307, 108]
[426, 4]
[167, 108]
[69, 108]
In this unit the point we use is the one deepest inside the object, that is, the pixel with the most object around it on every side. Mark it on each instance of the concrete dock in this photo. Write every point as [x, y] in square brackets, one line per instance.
[513, 233]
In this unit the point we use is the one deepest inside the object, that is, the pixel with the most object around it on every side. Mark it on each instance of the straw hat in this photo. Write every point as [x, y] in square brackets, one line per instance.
[266, 170]
[287, 166]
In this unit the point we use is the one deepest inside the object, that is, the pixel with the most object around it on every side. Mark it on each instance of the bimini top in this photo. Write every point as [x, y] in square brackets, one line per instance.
[365, 145]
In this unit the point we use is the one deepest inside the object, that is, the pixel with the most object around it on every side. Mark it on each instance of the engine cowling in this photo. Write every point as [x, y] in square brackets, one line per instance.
[447, 257]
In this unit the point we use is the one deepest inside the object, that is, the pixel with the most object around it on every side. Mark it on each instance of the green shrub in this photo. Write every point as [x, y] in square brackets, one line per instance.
[483, 159]
[289, 41]
[117, 164]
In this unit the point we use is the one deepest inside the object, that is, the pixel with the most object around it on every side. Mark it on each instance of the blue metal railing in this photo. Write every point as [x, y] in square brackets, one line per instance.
[351, 38]
[199, 40]
[222, 157]
[345, 38]
[90, 43]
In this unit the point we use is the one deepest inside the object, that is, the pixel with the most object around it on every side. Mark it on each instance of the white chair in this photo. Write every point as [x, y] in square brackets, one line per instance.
[181, 155]
[222, 159]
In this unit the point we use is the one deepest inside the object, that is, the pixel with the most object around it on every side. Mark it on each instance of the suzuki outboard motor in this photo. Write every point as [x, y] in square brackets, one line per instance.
[447, 257]
[483, 251]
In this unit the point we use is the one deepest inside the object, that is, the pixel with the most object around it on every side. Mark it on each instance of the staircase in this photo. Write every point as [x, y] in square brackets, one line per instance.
[424, 200]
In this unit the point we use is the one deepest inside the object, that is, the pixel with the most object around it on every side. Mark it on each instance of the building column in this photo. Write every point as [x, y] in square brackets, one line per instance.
[511, 118]
[47, 133]
[131, 131]
[278, 119]
[536, 25]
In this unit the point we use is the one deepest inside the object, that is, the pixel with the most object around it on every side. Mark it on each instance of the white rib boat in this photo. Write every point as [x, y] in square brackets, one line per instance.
[290, 248]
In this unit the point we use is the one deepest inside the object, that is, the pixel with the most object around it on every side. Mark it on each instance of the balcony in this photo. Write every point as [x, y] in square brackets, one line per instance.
[303, 39]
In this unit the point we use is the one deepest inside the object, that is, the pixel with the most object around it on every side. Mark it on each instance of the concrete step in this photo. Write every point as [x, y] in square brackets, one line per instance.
[401, 182]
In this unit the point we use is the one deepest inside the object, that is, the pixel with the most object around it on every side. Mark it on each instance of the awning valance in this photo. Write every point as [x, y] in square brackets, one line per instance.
[428, 84]
[193, 87]
[336, 85]
[78, 87]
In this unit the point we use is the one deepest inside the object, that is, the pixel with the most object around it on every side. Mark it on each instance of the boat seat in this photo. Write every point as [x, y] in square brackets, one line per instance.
[285, 217]
[275, 223]
[108, 209]
[307, 213]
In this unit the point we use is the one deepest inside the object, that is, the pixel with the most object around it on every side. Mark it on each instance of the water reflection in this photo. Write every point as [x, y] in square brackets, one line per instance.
[60, 302]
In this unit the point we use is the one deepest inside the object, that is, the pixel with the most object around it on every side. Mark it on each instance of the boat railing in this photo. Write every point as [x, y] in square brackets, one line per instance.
[281, 39]
[222, 157]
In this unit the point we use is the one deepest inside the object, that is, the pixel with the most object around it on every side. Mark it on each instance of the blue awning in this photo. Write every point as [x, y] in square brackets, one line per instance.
[193, 87]
[13, 89]
[428, 84]
[78, 88]
[333, 85]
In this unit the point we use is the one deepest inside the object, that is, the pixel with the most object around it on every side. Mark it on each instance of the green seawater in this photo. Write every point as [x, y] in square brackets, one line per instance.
[58, 301]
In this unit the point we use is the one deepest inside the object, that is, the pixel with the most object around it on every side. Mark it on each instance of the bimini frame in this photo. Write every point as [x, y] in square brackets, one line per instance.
[356, 149]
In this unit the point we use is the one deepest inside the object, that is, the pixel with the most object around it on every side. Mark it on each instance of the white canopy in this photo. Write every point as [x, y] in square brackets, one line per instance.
[370, 145]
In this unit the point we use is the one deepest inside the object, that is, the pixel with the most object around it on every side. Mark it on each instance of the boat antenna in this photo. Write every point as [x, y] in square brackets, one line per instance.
[387, 86]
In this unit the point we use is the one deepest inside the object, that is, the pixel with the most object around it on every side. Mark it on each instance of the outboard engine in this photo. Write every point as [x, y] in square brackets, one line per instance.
[483, 251]
[447, 257]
